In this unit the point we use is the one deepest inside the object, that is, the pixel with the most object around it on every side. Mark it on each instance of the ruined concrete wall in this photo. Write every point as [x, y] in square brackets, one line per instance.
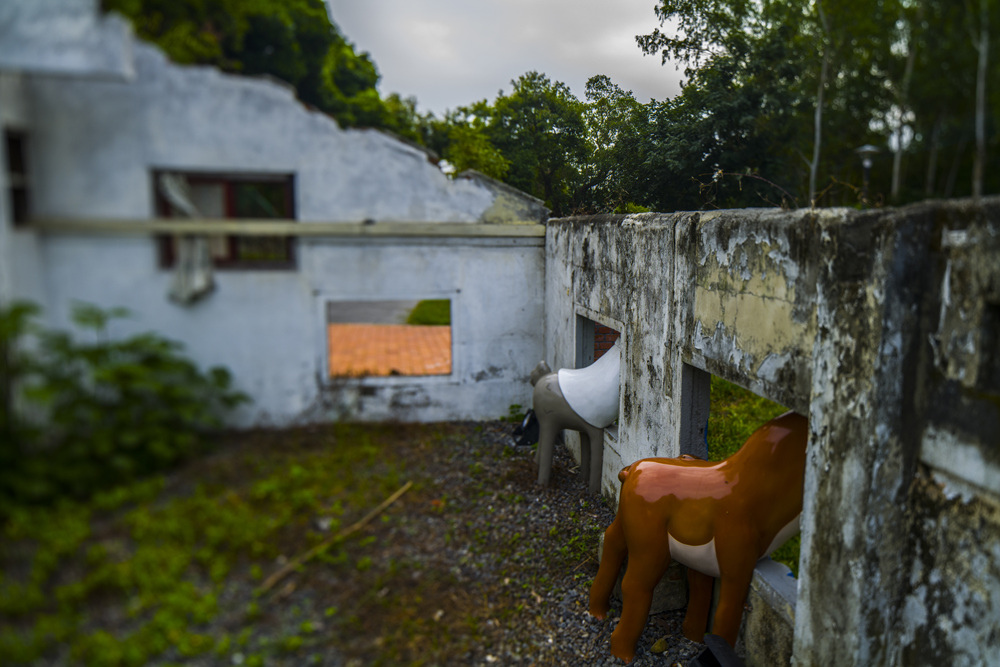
[616, 271]
[905, 418]
[748, 311]
[726, 293]
[64, 37]
[882, 327]
[95, 142]
[952, 596]
[495, 288]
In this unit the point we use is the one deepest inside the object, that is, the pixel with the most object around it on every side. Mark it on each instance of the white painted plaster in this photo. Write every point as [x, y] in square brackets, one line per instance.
[964, 460]
[64, 36]
[95, 142]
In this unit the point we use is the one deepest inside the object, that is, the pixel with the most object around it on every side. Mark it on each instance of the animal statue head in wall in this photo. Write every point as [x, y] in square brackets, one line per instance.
[584, 400]
[717, 518]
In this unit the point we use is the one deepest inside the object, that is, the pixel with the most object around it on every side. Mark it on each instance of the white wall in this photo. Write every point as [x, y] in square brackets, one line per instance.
[95, 141]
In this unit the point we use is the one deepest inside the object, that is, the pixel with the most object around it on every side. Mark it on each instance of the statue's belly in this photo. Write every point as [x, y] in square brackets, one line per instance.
[699, 557]
[790, 529]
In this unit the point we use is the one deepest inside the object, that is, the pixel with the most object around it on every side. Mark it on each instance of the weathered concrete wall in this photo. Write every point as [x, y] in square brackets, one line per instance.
[616, 271]
[64, 37]
[882, 327]
[767, 633]
[748, 311]
[725, 293]
[901, 488]
[94, 143]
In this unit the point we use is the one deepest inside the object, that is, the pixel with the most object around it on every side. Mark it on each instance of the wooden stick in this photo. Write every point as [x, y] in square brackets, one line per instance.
[299, 560]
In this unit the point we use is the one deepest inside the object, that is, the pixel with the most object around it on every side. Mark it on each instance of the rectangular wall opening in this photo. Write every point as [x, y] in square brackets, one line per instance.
[389, 338]
[593, 340]
[734, 414]
[236, 197]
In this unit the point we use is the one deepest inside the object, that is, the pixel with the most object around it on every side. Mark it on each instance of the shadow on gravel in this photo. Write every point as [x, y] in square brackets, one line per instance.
[473, 564]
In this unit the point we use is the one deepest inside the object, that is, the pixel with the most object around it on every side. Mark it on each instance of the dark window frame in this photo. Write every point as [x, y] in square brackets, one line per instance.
[229, 182]
[18, 181]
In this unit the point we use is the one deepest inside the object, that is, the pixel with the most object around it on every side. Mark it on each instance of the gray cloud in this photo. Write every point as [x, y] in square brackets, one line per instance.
[448, 53]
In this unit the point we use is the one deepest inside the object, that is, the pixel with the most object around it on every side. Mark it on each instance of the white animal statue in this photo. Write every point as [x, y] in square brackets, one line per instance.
[584, 400]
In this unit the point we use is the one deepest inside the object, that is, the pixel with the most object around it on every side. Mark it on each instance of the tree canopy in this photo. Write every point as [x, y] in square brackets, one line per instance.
[292, 40]
[903, 75]
[777, 97]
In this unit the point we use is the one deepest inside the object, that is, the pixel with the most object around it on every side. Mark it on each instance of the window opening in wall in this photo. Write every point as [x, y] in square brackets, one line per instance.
[389, 338]
[235, 197]
[593, 339]
[988, 377]
[734, 414]
[604, 339]
[17, 175]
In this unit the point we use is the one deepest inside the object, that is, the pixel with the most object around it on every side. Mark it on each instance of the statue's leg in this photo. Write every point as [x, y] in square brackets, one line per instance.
[699, 604]
[647, 562]
[596, 460]
[612, 557]
[735, 547]
[546, 441]
[734, 584]
[585, 453]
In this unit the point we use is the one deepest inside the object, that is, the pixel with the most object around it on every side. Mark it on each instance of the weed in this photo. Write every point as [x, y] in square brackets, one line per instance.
[515, 414]
[736, 413]
[435, 312]
[113, 410]
[292, 643]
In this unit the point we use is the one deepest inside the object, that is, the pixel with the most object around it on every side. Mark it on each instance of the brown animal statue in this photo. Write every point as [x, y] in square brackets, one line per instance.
[717, 518]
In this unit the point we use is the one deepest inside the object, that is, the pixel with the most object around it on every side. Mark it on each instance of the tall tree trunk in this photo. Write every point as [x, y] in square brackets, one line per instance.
[932, 157]
[902, 100]
[982, 46]
[949, 187]
[818, 115]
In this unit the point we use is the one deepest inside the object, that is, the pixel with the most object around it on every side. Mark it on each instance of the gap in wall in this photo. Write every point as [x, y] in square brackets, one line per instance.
[389, 338]
[593, 339]
[734, 414]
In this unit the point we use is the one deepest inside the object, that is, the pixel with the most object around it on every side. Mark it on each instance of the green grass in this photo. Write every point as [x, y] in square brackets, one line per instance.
[735, 414]
[171, 569]
[435, 312]
[161, 557]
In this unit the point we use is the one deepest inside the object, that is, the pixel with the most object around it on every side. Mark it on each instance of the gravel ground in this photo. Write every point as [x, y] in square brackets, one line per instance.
[475, 565]
[568, 635]
[484, 475]
[484, 546]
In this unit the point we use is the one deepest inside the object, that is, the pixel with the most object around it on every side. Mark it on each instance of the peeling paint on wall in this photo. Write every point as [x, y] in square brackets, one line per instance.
[884, 327]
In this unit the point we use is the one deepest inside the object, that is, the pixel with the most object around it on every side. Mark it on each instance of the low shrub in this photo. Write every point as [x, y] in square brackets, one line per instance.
[81, 411]
[435, 312]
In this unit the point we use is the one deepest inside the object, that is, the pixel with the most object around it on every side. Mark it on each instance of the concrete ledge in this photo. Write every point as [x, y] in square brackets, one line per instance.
[769, 623]
[244, 227]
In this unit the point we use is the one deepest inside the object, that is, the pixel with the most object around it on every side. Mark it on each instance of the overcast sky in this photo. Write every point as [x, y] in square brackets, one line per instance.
[449, 53]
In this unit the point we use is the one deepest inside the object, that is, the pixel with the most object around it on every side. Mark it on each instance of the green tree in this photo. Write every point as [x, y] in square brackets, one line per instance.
[464, 143]
[617, 126]
[293, 40]
[731, 137]
[911, 76]
[539, 128]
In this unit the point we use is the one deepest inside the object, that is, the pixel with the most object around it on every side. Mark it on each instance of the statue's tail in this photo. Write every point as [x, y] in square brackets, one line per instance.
[623, 475]
[540, 371]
